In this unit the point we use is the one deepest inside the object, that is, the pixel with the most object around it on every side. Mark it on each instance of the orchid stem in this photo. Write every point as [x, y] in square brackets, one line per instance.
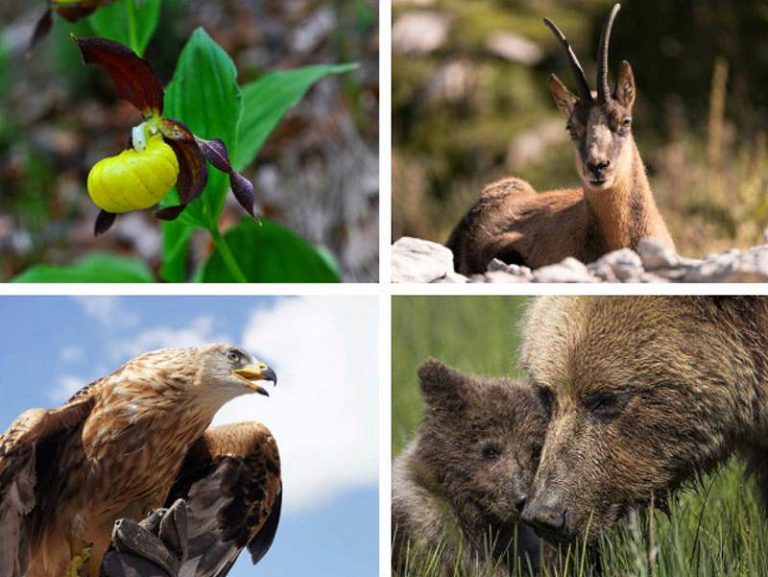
[133, 39]
[227, 256]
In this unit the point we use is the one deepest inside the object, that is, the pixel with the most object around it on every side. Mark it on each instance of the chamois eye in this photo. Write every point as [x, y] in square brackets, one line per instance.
[625, 124]
[491, 452]
[607, 406]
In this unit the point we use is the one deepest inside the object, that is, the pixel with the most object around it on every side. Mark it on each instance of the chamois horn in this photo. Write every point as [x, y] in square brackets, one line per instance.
[585, 95]
[603, 90]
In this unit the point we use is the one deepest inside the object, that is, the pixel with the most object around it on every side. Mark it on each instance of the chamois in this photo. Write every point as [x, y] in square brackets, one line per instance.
[613, 209]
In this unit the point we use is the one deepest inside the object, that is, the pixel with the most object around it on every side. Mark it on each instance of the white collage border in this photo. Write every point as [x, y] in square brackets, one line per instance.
[383, 290]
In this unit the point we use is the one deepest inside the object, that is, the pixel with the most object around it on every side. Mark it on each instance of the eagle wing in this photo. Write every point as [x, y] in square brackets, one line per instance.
[19, 470]
[231, 488]
[231, 483]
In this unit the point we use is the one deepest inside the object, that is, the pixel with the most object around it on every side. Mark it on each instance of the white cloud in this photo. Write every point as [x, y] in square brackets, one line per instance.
[108, 311]
[66, 386]
[324, 411]
[199, 331]
[71, 354]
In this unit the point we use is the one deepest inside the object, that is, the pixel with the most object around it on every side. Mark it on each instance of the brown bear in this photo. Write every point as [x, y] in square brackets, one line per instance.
[459, 486]
[643, 394]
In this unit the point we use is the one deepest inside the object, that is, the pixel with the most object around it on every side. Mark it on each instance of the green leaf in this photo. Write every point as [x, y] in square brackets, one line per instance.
[204, 95]
[268, 252]
[176, 238]
[93, 268]
[128, 22]
[265, 102]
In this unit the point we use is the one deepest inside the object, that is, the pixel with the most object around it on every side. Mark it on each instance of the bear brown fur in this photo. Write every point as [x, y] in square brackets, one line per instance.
[644, 395]
[459, 485]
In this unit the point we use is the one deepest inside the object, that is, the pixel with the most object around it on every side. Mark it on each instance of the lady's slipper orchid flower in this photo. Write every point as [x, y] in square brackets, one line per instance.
[70, 10]
[163, 151]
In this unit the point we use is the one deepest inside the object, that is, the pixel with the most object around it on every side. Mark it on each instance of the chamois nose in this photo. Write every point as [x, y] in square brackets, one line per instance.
[546, 518]
[597, 168]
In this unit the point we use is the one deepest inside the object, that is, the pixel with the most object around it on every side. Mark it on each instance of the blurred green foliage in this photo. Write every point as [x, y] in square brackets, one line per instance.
[129, 23]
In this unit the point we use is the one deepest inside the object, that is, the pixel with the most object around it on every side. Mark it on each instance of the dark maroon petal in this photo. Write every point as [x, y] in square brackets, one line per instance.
[41, 29]
[134, 79]
[104, 222]
[78, 11]
[243, 191]
[175, 130]
[215, 151]
[170, 212]
[193, 172]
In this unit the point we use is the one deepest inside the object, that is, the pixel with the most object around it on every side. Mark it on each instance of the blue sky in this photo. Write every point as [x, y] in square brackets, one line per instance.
[323, 412]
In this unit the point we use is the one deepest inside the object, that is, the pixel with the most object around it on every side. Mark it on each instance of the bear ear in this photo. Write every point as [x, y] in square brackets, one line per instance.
[441, 385]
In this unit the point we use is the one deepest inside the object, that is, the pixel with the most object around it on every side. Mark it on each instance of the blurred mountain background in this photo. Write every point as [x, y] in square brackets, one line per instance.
[471, 105]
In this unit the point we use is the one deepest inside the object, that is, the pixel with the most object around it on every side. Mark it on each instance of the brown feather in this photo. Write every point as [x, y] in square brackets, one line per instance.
[231, 483]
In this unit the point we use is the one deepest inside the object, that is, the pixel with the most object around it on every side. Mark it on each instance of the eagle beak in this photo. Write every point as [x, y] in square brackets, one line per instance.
[257, 372]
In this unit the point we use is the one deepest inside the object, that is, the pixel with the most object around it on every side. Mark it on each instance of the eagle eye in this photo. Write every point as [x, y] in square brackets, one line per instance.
[235, 356]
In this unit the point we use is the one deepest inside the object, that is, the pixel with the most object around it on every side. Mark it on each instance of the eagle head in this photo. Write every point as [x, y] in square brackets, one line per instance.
[228, 371]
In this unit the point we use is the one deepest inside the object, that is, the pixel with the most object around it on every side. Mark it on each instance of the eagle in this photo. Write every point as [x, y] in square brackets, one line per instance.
[134, 452]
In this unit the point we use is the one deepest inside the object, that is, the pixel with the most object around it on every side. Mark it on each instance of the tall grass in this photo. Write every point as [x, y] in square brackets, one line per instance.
[717, 529]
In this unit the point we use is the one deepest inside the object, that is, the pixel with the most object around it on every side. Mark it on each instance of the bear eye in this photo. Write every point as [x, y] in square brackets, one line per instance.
[546, 399]
[491, 451]
[607, 406]
[536, 453]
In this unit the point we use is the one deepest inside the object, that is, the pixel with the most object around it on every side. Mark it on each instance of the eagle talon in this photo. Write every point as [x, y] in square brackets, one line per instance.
[78, 562]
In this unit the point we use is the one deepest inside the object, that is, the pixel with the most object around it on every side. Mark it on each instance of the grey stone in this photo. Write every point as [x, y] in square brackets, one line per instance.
[624, 263]
[454, 81]
[569, 270]
[452, 278]
[416, 260]
[420, 32]
[521, 272]
[733, 266]
[653, 255]
[504, 277]
[514, 48]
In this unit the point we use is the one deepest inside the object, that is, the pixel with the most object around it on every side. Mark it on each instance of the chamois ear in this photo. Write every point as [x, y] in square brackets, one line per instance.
[565, 100]
[441, 385]
[625, 86]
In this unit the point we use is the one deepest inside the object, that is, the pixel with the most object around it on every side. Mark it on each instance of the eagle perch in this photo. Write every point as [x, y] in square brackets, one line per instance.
[128, 444]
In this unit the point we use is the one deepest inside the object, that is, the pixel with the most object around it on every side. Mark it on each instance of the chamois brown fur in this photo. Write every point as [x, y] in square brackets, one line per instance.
[613, 209]
[459, 485]
[645, 394]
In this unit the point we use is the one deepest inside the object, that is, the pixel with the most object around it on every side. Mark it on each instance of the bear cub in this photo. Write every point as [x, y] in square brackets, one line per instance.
[460, 484]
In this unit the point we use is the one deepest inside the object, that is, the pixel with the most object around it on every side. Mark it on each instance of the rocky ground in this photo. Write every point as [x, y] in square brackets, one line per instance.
[421, 261]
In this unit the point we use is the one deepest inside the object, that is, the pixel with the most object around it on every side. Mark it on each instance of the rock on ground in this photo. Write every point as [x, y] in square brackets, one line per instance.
[415, 260]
